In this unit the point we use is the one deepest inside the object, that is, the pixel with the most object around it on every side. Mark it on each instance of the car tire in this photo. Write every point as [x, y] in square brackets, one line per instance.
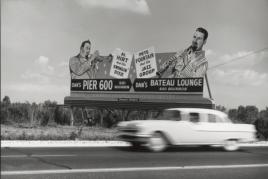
[157, 142]
[231, 145]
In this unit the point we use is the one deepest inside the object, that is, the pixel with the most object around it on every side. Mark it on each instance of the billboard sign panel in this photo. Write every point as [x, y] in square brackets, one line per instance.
[137, 72]
[169, 85]
[145, 63]
[101, 85]
[120, 64]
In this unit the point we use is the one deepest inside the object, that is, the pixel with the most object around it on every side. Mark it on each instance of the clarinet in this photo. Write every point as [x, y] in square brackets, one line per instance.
[166, 66]
[169, 62]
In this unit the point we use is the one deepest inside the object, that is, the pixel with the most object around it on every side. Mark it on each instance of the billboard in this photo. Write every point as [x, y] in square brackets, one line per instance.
[143, 71]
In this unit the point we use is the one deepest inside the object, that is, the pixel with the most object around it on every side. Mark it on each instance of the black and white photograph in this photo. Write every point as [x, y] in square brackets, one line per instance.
[134, 89]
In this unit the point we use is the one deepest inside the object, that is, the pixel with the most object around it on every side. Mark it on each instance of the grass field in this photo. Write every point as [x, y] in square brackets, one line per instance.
[9, 132]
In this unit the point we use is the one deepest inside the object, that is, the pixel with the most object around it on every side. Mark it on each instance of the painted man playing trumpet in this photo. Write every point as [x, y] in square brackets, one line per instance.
[85, 65]
[191, 62]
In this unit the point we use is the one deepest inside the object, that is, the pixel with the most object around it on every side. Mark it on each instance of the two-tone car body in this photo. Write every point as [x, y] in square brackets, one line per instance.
[186, 126]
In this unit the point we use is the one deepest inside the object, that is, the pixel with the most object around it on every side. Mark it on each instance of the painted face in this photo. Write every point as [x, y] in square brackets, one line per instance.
[85, 50]
[198, 41]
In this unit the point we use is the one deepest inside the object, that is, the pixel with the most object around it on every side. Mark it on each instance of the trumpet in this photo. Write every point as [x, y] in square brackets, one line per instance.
[94, 64]
[100, 58]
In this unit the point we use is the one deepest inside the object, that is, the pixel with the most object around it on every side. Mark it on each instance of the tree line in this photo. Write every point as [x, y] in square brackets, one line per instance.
[249, 115]
[49, 112]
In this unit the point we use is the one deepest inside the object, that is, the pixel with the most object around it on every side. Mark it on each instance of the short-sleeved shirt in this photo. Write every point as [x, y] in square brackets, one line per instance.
[79, 67]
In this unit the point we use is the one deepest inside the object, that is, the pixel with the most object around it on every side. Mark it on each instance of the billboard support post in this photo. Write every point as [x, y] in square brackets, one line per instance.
[72, 116]
[209, 92]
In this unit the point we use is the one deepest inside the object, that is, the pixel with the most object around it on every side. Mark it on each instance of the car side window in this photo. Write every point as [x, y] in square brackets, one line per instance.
[212, 118]
[194, 117]
[173, 115]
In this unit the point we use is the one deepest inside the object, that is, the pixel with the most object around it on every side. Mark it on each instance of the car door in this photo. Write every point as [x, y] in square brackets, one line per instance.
[211, 129]
[185, 128]
[178, 129]
[196, 125]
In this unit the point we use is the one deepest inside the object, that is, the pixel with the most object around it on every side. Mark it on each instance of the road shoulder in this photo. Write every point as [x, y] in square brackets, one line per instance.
[99, 143]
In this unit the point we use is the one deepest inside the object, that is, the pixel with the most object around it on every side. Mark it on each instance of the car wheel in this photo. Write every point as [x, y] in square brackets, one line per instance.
[231, 145]
[157, 142]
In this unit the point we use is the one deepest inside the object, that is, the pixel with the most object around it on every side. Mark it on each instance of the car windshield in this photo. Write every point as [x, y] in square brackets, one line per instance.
[169, 115]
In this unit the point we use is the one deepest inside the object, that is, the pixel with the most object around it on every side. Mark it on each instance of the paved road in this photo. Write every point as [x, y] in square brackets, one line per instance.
[121, 162]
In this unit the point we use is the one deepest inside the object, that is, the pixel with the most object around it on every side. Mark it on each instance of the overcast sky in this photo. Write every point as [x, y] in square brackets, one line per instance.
[39, 36]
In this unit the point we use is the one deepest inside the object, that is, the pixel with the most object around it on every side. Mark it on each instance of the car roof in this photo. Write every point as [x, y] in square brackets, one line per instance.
[199, 110]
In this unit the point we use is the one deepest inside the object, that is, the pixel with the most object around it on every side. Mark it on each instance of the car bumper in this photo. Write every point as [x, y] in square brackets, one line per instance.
[138, 138]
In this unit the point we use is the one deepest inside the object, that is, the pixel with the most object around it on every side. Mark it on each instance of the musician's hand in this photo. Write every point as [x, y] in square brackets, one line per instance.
[158, 74]
[162, 66]
[110, 57]
[179, 54]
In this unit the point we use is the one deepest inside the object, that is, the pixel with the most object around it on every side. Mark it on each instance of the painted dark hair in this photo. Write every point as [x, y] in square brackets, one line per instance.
[84, 42]
[204, 31]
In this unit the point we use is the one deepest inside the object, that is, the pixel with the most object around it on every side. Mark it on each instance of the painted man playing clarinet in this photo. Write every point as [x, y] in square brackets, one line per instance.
[191, 62]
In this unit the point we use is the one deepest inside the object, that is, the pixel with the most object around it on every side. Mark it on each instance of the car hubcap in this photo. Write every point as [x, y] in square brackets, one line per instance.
[157, 143]
[231, 145]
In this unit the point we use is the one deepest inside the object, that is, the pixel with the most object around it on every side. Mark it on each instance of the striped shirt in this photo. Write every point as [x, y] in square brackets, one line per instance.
[191, 64]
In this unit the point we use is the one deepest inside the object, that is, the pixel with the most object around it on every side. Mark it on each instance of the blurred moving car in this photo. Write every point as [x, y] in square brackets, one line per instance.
[186, 126]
